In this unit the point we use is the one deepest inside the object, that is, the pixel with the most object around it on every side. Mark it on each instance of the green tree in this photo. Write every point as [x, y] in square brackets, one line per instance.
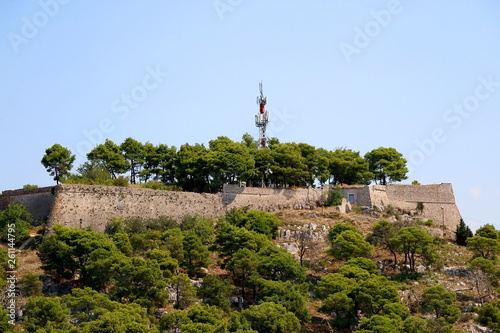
[413, 241]
[67, 251]
[293, 298]
[335, 197]
[358, 288]
[271, 318]
[92, 172]
[254, 220]
[243, 265]
[485, 247]
[31, 285]
[350, 244]
[487, 231]
[196, 255]
[166, 160]
[249, 141]
[290, 166]
[151, 158]
[438, 300]
[348, 167]
[185, 293]
[168, 265]
[16, 222]
[483, 273]
[46, 313]
[417, 325]
[133, 151]
[92, 311]
[228, 161]
[201, 226]
[58, 161]
[383, 231]
[5, 326]
[387, 165]
[230, 238]
[380, 324]
[278, 264]
[489, 315]
[111, 157]
[191, 170]
[216, 291]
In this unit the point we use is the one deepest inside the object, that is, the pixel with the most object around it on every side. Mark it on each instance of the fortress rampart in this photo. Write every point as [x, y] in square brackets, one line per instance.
[82, 206]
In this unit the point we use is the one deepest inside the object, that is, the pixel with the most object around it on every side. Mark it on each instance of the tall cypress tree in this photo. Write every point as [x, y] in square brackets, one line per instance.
[463, 232]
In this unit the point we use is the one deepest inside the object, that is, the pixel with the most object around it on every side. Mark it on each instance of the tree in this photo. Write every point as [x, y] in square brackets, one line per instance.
[230, 238]
[133, 151]
[380, 324]
[350, 244]
[290, 166]
[243, 265]
[31, 285]
[483, 271]
[487, 231]
[417, 325]
[335, 197]
[196, 255]
[185, 293]
[93, 172]
[16, 222]
[201, 226]
[90, 310]
[489, 315]
[348, 167]
[485, 247]
[67, 251]
[254, 220]
[462, 233]
[215, 291]
[387, 165]
[383, 231]
[440, 301]
[293, 298]
[228, 162]
[166, 159]
[5, 326]
[111, 157]
[46, 313]
[151, 161]
[271, 318]
[58, 161]
[191, 170]
[249, 141]
[358, 288]
[278, 264]
[413, 241]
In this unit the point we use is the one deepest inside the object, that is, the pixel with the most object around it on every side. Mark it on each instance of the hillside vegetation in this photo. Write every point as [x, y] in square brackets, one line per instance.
[250, 271]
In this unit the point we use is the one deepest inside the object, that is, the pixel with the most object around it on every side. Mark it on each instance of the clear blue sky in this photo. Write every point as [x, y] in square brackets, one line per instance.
[420, 76]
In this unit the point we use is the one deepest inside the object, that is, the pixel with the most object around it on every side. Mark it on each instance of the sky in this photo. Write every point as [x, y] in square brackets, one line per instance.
[420, 76]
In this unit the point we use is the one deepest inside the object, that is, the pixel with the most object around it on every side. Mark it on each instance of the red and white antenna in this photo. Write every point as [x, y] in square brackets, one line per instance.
[262, 118]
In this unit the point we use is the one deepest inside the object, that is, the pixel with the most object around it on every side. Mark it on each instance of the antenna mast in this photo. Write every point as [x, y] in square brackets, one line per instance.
[262, 118]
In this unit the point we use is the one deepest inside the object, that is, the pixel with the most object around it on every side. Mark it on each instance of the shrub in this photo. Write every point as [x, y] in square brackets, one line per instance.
[29, 186]
[335, 197]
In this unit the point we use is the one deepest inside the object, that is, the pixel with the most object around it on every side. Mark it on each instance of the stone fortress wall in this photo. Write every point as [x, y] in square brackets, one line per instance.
[82, 206]
[438, 199]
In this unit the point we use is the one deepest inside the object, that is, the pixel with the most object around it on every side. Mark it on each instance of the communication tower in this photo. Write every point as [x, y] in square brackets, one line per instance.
[262, 118]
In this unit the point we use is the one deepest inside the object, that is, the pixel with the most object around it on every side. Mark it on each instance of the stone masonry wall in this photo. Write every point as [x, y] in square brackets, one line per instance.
[96, 205]
[438, 199]
[269, 199]
[38, 201]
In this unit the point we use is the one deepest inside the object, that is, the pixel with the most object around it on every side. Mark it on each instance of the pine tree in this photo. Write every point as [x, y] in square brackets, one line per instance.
[463, 232]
